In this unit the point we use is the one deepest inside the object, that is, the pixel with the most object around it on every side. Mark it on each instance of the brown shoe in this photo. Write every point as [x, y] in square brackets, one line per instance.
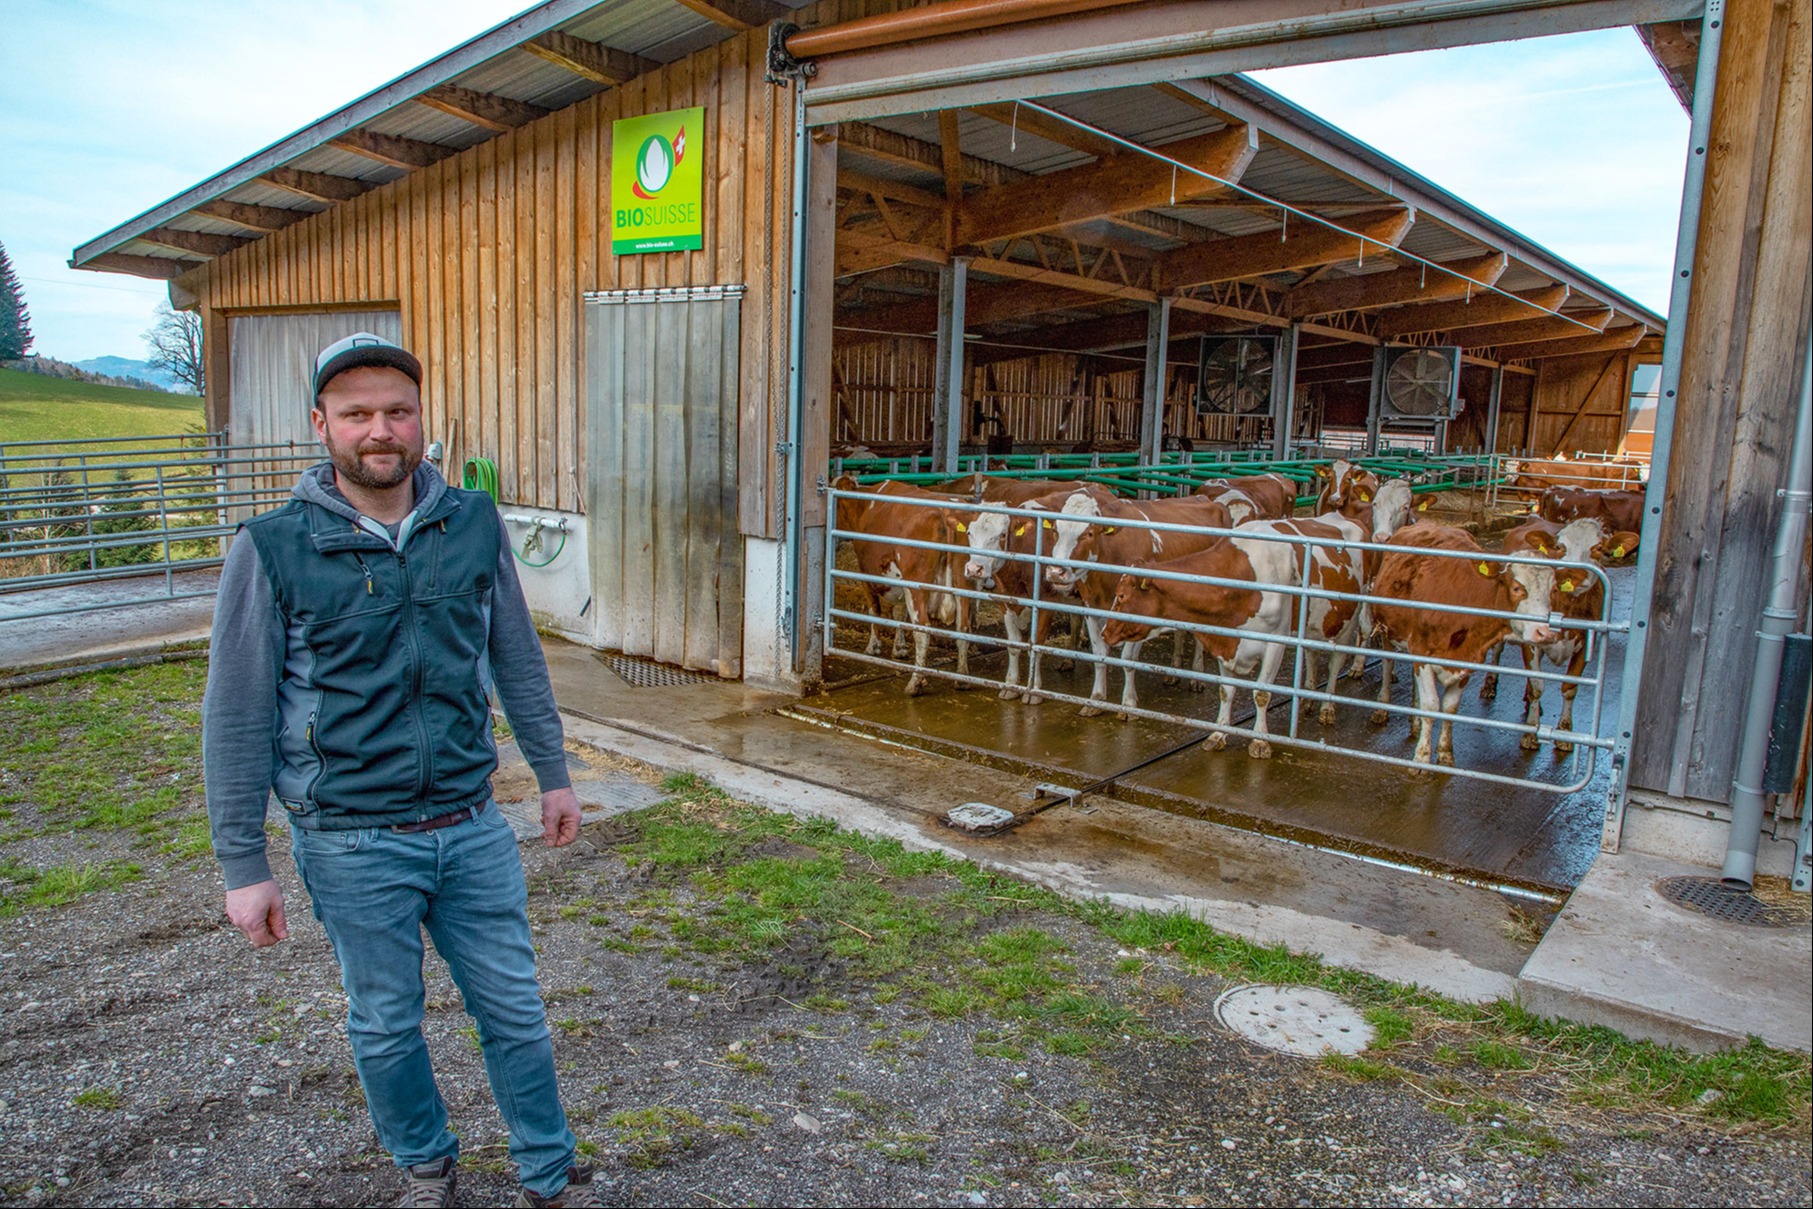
[578, 1194]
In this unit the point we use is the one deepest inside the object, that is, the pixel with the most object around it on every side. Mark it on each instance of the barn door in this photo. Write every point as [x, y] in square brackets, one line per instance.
[661, 490]
[273, 368]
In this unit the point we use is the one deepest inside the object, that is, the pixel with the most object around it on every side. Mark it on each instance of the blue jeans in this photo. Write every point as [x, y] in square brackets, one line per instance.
[374, 890]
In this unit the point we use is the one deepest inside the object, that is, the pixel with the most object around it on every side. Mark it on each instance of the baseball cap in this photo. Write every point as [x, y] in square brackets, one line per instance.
[362, 349]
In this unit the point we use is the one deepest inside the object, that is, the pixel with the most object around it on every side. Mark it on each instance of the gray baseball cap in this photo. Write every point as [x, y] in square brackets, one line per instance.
[362, 349]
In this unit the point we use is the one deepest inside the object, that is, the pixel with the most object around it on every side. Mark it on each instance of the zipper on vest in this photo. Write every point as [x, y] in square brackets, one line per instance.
[367, 570]
[425, 769]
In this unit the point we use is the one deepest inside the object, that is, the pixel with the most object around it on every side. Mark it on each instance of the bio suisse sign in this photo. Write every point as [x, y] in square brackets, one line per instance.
[658, 183]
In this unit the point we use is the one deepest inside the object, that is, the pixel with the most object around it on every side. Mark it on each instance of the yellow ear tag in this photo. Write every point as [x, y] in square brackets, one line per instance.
[1047, 524]
[1484, 568]
[962, 528]
[1422, 505]
[1109, 529]
[1365, 497]
[1618, 552]
[1020, 531]
[1567, 585]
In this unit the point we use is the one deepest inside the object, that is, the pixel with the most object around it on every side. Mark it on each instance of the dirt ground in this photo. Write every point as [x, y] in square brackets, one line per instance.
[749, 1009]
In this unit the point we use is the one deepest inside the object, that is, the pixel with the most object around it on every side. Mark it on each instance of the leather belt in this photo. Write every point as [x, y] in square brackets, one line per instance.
[439, 821]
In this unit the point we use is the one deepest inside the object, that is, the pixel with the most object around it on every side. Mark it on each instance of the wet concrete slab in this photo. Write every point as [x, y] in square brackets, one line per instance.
[93, 623]
[1535, 838]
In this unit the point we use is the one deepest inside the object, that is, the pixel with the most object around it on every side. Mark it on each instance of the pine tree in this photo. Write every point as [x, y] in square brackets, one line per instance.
[15, 320]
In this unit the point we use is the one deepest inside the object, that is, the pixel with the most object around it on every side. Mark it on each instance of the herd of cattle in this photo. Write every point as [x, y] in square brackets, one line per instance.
[1233, 567]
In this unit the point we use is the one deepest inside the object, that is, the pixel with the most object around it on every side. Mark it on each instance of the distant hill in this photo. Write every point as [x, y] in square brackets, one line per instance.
[126, 367]
[35, 407]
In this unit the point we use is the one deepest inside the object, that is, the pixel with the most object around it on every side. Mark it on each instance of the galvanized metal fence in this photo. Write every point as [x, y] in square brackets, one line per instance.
[75, 512]
[1299, 644]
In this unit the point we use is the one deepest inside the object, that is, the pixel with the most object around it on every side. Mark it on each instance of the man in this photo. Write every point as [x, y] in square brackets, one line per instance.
[355, 638]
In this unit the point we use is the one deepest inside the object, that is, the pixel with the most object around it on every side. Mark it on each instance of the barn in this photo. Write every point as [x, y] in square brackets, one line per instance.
[672, 265]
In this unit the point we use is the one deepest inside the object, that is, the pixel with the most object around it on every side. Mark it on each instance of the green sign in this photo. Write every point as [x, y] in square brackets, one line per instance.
[658, 183]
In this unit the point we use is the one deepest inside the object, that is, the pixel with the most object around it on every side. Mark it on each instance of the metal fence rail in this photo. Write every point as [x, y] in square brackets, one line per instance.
[74, 512]
[1578, 769]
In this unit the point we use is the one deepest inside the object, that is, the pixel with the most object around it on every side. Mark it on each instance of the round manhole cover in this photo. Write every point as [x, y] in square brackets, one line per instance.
[1305, 1021]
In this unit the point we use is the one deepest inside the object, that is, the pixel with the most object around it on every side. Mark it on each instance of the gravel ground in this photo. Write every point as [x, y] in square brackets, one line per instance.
[151, 1057]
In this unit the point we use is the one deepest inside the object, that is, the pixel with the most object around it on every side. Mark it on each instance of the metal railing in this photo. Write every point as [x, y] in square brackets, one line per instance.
[1585, 739]
[78, 512]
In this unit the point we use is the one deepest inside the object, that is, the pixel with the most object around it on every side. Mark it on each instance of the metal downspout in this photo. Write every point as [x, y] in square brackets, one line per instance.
[793, 536]
[1712, 28]
[1779, 616]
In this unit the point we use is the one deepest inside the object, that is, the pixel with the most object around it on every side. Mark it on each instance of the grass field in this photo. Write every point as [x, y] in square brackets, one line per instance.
[36, 408]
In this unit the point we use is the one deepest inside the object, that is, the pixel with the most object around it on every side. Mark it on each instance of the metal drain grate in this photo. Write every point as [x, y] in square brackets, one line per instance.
[1709, 896]
[646, 673]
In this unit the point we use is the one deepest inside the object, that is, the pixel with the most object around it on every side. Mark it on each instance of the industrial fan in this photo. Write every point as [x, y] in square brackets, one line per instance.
[1418, 383]
[1234, 375]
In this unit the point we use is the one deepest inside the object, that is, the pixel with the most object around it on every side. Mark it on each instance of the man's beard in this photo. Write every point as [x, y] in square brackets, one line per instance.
[351, 465]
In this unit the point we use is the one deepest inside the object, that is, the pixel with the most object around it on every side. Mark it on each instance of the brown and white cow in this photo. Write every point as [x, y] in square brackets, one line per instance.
[1536, 474]
[1622, 511]
[1345, 487]
[1254, 555]
[1087, 533]
[1251, 497]
[999, 544]
[885, 525]
[1580, 596]
[1409, 590]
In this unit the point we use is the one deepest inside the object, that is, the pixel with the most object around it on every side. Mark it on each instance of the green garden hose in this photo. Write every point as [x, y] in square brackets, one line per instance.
[480, 474]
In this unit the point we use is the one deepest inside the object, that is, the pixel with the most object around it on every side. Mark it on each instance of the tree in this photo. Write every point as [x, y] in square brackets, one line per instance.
[175, 343]
[15, 320]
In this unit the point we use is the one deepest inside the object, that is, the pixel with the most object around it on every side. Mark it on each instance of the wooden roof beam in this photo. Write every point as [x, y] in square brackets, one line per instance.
[1414, 284]
[494, 113]
[1302, 245]
[912, 195]
[1527, 331]
[318, 186]
[861, 252]
[739, 15]
[198, 242]
[1481, 309]
[594, 60]
[398, 152]
[1613, 340]
[1091, 191]
[263, 219]
[155, 267]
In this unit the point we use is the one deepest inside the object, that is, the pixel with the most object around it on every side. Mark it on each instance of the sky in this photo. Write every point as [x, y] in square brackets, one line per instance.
[109, 107]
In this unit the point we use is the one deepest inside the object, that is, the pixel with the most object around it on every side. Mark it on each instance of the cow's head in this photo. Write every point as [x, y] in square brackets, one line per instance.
[1072, 528]
[1134, 596]
[1621, 544]
[1531, 587]
[1394, 505]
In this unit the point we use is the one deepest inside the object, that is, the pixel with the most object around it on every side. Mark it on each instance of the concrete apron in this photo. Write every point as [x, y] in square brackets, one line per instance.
[1618, 954]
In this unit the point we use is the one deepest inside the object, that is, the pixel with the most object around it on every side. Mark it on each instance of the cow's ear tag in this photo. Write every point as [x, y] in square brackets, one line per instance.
[1110, 529]
[1020, 529]
[1484, 568]
[1567, 585]
[1618, 551]
[962, 528]
[1422, 505]
[1365, 497]
[1145, 583]
[1047, 524]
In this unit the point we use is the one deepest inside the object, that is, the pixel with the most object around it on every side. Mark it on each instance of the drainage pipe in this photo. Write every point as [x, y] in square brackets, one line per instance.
[933, 21]
[793, 533]
[1779, 615]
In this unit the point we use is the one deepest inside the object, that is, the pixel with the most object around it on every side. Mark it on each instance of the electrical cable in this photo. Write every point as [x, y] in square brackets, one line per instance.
[480, 474]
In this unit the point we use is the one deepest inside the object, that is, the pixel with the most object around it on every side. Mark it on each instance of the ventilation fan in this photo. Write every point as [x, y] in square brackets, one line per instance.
[1234, 375]
[1418, 383]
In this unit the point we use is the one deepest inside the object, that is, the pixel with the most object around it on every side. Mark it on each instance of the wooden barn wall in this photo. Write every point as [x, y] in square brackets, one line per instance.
[1742, 347]
[487, 254]
[1581, 403]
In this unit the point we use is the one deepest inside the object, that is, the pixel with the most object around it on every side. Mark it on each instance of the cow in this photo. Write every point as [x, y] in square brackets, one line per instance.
[884, 524]
[998, 543]
[1345, 487]
[1251, 497]
[1622, 511]
[1251, 554]
[1086, 533]
[1536, 474]
[1581, 597]
[1408, 592]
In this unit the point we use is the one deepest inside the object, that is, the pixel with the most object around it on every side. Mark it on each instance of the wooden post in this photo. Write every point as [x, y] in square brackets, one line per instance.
[815, 420]
[1493, 401]
[217, 358]
[1152, 403]
[947, 385]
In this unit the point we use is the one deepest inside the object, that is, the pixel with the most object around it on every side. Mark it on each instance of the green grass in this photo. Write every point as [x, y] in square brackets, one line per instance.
[104, 1099]
[34, 407]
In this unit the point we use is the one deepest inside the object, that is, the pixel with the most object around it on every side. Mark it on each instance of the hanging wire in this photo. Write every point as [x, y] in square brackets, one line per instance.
[1288, 209]
[1013, 132]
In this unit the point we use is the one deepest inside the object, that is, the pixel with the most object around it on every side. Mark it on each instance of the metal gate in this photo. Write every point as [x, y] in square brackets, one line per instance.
[1578, 770]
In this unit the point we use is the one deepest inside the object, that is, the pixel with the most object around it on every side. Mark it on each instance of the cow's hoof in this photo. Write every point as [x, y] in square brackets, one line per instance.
[1529, 743]
[1066, 665]
[915, 687]
[1168, 680]
[1379, 717]
[963, 686]
[1031, 698]
[1420, 772]
[1488, 689]
[1197, 686]
[1259, 749]
[1091, 711]
[1008, 694]
[1123, 715]
[1215, 742]
[1564, 748]
[1326, 715]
